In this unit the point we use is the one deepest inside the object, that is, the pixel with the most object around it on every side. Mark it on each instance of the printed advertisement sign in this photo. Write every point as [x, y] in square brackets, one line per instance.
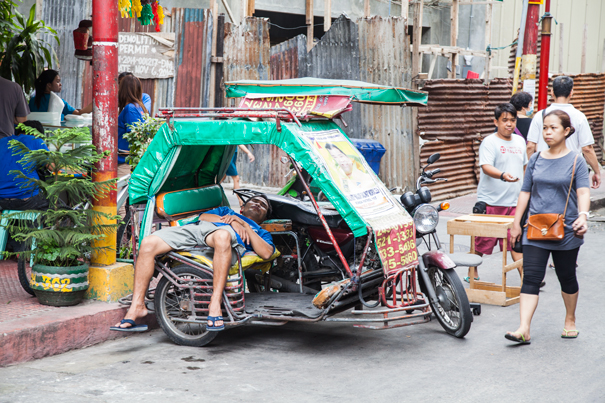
[319, 105]
[392, 225]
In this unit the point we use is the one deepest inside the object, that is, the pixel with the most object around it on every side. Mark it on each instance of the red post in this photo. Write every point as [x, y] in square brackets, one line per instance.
[105, 109]
[544, 57]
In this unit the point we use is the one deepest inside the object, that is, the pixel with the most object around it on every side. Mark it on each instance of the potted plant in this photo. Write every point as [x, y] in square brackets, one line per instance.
[64, 235]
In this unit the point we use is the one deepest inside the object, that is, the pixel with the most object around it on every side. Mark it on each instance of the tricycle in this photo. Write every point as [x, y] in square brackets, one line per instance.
[351, 258]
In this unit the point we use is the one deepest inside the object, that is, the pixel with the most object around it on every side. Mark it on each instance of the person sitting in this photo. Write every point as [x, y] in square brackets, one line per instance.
[221, 229]
[48, 81]
[12, 195]
[145, 97]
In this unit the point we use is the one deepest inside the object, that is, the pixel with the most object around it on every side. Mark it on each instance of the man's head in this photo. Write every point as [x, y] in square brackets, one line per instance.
[31, 123]
[562, 87]
[257, 208]
[505, 119]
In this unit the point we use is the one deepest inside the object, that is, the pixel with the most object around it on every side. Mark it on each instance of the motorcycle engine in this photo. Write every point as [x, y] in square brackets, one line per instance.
[372, 258]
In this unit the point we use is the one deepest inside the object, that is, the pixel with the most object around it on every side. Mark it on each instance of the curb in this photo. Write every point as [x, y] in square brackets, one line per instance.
[70, 328]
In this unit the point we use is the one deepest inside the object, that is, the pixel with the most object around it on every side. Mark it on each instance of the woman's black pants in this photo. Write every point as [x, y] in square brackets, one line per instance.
[535, 261]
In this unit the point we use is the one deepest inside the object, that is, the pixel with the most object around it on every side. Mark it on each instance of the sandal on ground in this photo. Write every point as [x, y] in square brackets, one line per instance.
[213, 327]
[512, 337]
[132, 328]
[468, 279]
[567, 336]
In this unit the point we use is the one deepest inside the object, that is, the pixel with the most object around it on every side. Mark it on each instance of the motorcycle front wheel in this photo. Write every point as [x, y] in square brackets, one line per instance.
[452, 310]
[173, 305]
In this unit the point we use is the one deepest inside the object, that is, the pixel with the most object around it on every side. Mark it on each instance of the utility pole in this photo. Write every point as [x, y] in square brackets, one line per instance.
[530, 48]
[544, 57]
[105, 114]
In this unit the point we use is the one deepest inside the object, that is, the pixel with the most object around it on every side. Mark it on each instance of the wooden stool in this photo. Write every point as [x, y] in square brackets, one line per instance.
[494, 226]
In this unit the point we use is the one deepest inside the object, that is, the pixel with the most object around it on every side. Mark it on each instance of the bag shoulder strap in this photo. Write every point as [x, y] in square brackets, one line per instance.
[573, 171]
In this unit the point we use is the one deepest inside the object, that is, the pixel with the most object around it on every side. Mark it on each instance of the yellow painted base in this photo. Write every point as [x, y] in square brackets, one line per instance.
[110, 283]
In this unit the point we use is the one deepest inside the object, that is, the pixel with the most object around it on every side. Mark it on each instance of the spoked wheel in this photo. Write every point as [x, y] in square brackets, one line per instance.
[24, 272]
[173, 305]
[453, 310]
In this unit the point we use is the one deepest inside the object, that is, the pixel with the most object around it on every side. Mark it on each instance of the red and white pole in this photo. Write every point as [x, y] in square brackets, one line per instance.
[544, 57]
[105, 111]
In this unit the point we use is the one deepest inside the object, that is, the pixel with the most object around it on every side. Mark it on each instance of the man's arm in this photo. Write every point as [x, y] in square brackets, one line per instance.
[19, 119]
[494, 172]
[591, 158]
[249, 236]
[531, 148]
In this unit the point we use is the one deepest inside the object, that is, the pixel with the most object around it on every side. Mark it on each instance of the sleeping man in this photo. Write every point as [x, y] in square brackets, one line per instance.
[221, 229]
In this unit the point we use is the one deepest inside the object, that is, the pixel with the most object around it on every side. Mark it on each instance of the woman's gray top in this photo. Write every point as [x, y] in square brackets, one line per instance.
[548, 182]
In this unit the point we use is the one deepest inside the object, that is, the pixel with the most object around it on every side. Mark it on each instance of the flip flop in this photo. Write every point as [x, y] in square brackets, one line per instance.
[520, 340]
[132, 328]
[566, 335]
[215, 328]
[468, 279]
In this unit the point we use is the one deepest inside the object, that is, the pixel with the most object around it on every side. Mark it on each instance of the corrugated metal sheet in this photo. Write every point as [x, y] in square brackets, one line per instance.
[458, 115]
[286, 56]
[193, 28]
[64, 16]
[247, 57]
[385, 58]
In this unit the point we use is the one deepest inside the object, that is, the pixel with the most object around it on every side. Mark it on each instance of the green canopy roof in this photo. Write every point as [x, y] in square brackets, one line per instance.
[359, 91]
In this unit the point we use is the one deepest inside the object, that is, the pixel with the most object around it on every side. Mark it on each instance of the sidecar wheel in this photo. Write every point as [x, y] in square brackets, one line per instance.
[171, 304]
[453, 310]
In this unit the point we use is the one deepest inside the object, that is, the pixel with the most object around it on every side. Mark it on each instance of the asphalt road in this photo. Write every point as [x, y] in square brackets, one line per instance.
[334, 363]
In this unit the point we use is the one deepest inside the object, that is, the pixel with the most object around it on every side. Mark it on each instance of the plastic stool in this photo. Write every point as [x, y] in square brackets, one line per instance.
[4, 233]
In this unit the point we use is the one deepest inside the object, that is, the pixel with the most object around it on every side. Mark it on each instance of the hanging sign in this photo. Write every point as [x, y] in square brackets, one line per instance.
[146, 55]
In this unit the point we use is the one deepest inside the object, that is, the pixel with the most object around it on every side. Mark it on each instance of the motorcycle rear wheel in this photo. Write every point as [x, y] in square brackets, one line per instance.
[453, 310]
[170, 305]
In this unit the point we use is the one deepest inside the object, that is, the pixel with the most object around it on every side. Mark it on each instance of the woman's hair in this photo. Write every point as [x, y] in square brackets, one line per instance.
[521, 100]
[47, 77]
[131, 92]
[564, 119]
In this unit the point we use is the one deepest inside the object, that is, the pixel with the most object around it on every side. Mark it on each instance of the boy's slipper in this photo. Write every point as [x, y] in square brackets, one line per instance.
[215, 328]
[520, 340]
[132, 328]
[468, 279]
[567, 336]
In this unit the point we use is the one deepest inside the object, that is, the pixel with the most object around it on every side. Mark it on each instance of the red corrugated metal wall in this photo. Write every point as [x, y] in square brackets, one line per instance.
[458, 115]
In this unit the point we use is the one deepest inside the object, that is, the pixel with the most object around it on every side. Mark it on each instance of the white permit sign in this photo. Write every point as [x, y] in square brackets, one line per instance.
[146, 55]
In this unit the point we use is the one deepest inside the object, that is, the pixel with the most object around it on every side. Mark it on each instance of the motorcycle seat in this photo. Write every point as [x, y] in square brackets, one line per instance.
[466, 259]
[303, 212]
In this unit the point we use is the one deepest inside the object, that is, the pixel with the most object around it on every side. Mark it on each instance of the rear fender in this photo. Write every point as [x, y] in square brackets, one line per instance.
[438, 259]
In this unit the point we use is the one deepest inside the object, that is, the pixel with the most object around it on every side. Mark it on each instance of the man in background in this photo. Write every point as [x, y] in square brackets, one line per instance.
[13, 108]
[580, 142]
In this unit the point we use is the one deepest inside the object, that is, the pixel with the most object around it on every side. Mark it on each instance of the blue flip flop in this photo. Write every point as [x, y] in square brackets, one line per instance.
[215, 328]
[133, 327]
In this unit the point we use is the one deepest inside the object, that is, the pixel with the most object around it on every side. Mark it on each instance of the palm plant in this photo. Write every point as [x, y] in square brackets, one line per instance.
[24, 49]
[65, 233]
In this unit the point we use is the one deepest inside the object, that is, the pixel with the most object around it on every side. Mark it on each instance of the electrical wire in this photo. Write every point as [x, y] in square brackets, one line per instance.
[302, 26]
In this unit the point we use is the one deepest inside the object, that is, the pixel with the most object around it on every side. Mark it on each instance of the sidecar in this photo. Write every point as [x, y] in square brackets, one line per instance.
[179, 177]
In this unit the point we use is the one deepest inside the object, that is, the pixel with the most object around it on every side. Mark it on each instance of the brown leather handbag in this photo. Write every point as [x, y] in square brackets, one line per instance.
[549, 227]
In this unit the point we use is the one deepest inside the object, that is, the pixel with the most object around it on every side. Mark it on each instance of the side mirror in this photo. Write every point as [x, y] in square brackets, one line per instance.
[433, 158]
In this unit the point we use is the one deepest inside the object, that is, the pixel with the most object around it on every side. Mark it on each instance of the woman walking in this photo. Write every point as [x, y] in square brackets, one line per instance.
[556, 182]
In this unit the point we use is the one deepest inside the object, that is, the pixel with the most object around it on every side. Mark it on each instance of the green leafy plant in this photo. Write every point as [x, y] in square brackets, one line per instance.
[65, 233]
[24, 49]
[140, 135]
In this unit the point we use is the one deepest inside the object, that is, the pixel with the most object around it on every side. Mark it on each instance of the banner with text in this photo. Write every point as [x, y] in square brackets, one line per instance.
[328, 106]
[392, 225]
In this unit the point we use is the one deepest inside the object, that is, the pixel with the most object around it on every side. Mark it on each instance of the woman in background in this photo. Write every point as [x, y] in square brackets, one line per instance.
[48, 81]
[523, 103]
[132, 109]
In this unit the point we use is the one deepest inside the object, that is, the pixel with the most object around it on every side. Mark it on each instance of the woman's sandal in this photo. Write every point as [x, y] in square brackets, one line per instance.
[468, 279]
[567, 336]
[215, 328]
[520, 340]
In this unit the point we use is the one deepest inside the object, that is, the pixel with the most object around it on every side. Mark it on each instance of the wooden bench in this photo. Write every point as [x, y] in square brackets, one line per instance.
[494, 226]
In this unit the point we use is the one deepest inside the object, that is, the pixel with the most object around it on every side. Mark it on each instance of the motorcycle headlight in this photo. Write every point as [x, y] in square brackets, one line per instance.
[426, 218]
